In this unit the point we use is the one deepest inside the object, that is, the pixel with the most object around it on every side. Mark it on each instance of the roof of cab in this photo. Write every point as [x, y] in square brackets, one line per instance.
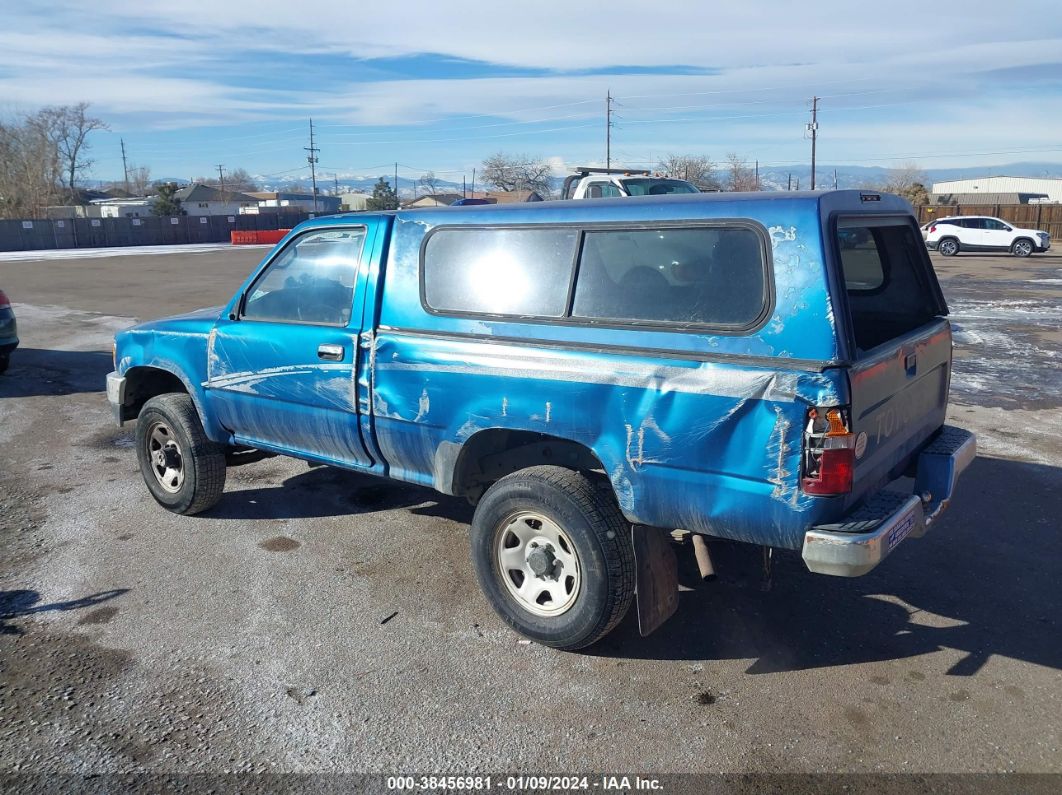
[639, 208]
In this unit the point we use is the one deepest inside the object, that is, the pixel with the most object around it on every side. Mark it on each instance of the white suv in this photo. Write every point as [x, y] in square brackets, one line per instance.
[949, 236]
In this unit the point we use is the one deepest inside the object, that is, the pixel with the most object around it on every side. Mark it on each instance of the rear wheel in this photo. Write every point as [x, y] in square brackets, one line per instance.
[948, 247]
[1022, 247]
[183, 469]
[553, 554]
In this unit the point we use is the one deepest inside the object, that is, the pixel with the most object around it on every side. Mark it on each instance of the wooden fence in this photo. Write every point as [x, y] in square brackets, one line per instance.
[1047, 217]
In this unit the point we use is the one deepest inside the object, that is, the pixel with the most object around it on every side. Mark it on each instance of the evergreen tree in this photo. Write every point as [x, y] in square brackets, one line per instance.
[383, 197]
[166, 203]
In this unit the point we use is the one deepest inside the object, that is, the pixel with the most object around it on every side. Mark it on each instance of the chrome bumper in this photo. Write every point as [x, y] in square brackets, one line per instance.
[116, 395]
[863, 539]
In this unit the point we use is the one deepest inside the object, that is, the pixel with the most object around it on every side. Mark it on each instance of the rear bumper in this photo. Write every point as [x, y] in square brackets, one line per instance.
[861, 540]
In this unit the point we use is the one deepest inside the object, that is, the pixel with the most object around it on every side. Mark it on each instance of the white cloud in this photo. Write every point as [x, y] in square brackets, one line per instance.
[165, 65]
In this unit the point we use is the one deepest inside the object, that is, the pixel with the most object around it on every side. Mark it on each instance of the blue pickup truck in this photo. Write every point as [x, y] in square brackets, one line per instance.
[592, 375]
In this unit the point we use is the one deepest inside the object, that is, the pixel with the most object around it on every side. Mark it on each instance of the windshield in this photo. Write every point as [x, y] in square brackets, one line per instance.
[657, 187]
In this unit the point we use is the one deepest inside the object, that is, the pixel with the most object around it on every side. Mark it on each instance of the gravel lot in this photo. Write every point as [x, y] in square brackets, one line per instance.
[253, 638]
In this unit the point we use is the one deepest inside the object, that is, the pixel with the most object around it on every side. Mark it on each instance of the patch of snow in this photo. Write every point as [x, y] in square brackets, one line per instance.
[121, 251]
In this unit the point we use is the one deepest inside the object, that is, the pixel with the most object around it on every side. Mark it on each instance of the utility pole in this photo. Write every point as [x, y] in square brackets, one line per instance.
[813, 128]
[335, 180]
[789, 185]
[757, 175]
[312, 160]
[608, 129]
[125, 168]
[396, 181]
[835, 179]
[221, 179]
[473, 183]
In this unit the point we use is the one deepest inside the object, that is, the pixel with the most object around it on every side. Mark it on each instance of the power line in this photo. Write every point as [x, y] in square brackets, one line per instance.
[493, 114]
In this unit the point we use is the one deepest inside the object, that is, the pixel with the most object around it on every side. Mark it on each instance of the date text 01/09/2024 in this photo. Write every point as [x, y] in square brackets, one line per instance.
[521, 783]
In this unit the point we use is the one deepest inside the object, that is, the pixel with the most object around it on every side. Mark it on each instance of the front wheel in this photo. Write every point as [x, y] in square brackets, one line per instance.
[183, 469]
[948, 247]
[553, 554]
[1022, 248]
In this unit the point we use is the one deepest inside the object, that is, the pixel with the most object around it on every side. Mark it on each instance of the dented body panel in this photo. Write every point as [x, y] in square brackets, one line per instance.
[695, 429]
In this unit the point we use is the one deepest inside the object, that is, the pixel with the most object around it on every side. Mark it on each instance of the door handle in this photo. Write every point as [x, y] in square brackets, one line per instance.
[333, 353]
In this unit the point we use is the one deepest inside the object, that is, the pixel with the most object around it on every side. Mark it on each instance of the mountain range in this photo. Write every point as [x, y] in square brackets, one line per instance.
[774, 178]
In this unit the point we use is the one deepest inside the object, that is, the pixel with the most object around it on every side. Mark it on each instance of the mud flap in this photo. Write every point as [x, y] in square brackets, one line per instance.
[657, 577]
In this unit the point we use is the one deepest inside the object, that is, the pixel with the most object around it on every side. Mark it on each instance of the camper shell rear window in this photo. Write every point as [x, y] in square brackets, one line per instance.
[888, 279]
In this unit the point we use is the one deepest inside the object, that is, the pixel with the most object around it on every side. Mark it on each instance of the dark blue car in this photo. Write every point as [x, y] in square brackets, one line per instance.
[8, 332]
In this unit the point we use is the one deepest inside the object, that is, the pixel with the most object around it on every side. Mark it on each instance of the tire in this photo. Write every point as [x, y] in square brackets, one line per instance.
[948, 247]
[1022, 247]
[183, 469]
[568, 528]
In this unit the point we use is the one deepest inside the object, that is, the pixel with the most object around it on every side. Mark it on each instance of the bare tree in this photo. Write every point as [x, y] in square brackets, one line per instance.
[698, 169]
[68, 127]
[429, 182]
[139, 180]
[29, 167]
[517, 172]
[909, 181]
[238, 180]
[740, 176]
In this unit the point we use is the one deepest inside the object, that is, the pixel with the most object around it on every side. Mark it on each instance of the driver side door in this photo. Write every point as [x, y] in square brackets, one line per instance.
[282, 365]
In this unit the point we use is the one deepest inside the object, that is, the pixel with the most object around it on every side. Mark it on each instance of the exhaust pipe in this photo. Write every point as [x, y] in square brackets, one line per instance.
[704, 560]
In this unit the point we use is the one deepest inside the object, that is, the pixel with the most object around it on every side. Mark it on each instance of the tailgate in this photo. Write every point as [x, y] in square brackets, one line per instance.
[899, 395]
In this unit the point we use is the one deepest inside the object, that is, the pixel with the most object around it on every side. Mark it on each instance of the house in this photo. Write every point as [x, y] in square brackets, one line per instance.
[490, 196]
[433, 200]
[199, 199]
[279, 201]
[353, 202]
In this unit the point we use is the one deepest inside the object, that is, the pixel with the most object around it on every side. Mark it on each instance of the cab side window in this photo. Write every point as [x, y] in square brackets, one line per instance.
[310, 281]
[603, 190]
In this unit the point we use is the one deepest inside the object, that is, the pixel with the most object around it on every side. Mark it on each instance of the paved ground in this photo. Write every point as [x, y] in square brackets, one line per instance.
[253, 638]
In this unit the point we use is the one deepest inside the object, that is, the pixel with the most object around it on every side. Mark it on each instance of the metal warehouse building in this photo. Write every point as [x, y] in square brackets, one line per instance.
[1051, 188]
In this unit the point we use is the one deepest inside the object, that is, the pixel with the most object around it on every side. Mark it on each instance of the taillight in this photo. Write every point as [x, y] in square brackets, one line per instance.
[4, 303]
[829, 453]
[932, 229]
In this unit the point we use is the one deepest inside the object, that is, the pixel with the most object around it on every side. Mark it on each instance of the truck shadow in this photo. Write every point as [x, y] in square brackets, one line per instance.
[329, 491]
[39, 372]
[983, 582]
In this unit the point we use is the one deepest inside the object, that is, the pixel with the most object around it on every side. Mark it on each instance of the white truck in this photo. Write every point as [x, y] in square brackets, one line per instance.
[604, 183]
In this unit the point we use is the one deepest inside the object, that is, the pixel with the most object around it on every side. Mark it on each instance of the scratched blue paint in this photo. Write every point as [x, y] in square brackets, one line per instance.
[690, 431]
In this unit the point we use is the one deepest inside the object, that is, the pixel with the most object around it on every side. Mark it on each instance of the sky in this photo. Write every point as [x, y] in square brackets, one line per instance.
[443, 84]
